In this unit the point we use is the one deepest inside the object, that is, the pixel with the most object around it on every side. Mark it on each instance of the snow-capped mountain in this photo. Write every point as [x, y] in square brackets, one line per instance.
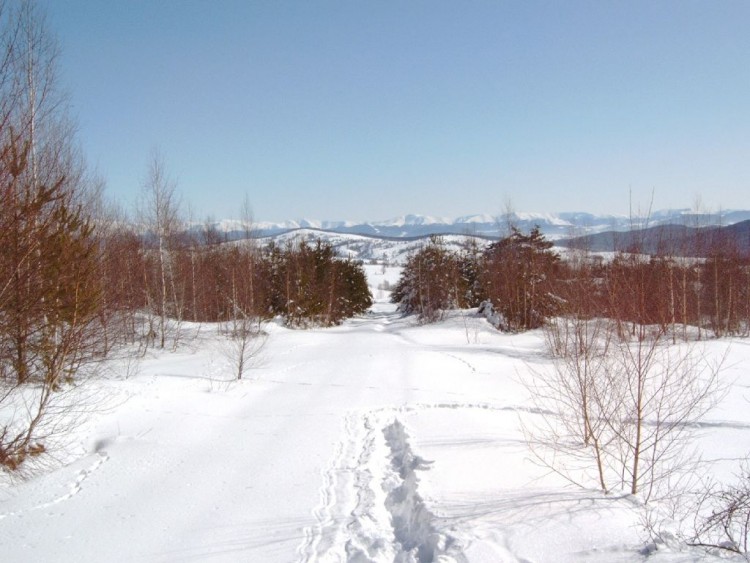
[553, 225]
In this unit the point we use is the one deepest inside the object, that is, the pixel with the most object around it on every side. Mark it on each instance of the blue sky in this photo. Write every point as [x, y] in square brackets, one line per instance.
[369, 110]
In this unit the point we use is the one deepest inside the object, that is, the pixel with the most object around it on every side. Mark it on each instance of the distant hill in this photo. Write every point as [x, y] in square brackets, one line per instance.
[675, 240]
[668, 232]
[391, 250]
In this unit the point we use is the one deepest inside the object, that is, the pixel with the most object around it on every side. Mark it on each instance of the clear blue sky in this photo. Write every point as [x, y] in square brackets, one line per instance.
[369, 110]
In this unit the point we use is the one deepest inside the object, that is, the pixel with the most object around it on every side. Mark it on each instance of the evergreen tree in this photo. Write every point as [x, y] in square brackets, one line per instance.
[431, 282]
[519, 273]
[311, 285]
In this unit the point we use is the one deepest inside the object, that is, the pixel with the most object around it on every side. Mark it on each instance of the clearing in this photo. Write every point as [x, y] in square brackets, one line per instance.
[378, 440]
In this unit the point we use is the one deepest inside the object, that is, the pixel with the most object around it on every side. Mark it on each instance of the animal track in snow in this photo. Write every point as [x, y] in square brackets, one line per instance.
[471, 367]
[73, 487]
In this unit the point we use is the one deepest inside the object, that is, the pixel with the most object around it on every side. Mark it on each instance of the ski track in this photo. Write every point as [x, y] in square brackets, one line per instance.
[417, 537]
[318, 538]
[352, 402]
[370, 508]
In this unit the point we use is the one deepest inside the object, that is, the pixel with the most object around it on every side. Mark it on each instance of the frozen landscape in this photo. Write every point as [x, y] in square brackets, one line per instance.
[208, 208]
[378, 440]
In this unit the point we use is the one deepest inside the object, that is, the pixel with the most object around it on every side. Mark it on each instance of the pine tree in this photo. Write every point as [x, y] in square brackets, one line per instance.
[519, 274]
[430, 282]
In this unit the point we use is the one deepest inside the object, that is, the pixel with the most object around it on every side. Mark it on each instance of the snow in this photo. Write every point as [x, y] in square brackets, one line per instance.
[379, 440]
[543, 218]
[481, 218]
[317, 224]
[411, 220]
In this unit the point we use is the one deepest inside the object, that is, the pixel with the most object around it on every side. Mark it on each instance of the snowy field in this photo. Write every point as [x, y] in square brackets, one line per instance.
[379, 440]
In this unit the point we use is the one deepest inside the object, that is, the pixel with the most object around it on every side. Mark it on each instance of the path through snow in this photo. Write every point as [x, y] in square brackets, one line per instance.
[194, 472]
[378, 441]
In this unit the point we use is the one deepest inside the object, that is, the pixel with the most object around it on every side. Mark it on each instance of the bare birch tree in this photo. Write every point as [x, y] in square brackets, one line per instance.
[160, 212]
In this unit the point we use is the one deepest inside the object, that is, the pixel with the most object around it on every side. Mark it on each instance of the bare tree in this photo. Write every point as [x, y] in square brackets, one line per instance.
[49, 294]
[578, 391]
[667, 388]
[245, 339]
[250, 256]
[160, 211]
[623, 408]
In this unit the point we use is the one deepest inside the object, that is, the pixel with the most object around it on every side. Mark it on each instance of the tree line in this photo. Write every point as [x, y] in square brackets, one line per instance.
[149, 285]
[527, 282]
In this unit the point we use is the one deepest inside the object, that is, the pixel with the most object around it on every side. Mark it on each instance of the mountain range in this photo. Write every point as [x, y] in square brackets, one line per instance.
[670, 232]
[553, 225]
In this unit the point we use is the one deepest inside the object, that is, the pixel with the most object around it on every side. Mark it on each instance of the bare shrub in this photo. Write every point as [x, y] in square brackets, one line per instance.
[722, 517]
[245, 339]
[621, 410]
[36, 419]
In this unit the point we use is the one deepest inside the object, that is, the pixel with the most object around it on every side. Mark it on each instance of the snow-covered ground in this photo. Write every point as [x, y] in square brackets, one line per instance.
[379, 440]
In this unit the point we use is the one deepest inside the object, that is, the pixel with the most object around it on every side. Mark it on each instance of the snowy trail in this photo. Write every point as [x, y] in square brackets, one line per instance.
[378, 440]
[236, 475]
